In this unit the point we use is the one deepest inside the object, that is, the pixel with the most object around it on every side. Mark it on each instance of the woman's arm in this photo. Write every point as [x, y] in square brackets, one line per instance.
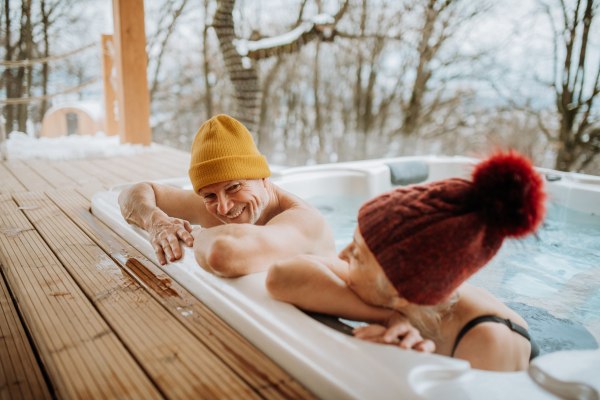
[309, 282]
[318, 284]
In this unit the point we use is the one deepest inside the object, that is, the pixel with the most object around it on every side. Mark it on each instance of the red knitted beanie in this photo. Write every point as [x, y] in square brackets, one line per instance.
[429, 239]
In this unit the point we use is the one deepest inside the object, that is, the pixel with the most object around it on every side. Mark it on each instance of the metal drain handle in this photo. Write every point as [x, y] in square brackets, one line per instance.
[563, 389]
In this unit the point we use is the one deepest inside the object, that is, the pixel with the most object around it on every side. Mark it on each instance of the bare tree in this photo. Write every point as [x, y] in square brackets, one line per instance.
[441, 19]
[243, 73]
[208, 100]
[17, 81]
[578, 137]
[34, 25]
[170, 13]
[50, 12]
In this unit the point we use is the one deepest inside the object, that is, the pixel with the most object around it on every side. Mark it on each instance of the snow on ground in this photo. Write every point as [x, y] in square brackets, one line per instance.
[22, 146]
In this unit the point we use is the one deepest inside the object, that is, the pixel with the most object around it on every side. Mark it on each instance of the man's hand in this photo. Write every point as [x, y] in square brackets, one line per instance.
[165, 233]
[399, 332]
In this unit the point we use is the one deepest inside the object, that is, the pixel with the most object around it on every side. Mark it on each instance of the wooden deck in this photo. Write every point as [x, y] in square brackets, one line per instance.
[84, 315]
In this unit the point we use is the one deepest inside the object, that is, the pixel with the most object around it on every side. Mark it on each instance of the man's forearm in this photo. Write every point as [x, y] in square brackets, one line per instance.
[224, 250]
[137, 204]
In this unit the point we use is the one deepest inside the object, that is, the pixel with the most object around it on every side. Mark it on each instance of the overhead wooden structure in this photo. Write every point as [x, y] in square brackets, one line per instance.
[131, 61]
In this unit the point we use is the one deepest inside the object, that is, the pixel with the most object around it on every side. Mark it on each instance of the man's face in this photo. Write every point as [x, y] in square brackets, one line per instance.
[239, 201]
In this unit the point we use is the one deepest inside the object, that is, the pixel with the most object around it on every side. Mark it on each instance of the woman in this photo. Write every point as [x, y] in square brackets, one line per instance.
[412, 252]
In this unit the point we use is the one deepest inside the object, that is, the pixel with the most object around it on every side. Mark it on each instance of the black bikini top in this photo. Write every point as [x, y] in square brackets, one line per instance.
[535, 350]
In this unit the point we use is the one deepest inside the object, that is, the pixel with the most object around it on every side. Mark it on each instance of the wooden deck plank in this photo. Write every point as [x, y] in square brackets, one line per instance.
[106, 177]
[80, 176]
[179, 154]
[8, 182]
[125, 174]
[248, 362]
[142, 168]
[51, 175]
[82, 355]
[176, 361]
[82, 345]
[90, 190]
[20, 375]
[179, 160]
[26, 176]
[176, 167]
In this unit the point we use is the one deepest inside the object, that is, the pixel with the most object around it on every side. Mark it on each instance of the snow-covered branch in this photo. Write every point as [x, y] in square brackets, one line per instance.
[319, 25]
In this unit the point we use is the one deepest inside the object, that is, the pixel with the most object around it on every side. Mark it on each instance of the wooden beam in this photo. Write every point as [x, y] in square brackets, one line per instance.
[132, 83]
[109, 78]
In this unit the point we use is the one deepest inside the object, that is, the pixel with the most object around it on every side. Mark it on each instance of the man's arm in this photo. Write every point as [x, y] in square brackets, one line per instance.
[240, 249]
[165, 213]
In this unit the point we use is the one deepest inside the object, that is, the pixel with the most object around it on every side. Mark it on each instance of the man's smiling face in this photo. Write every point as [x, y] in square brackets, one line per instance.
[240, 201]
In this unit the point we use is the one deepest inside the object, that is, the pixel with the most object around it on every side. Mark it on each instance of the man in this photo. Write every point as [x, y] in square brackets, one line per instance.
[247, 223]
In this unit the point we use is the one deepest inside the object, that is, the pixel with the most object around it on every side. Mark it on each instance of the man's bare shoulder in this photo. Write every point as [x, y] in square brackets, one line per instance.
[305, 218]
[291, 202]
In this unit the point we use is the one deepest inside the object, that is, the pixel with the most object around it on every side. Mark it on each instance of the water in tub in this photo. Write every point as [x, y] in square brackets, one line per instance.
[551, 279]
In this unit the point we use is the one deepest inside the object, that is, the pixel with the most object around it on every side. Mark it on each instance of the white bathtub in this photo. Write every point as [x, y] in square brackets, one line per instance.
[333, 365]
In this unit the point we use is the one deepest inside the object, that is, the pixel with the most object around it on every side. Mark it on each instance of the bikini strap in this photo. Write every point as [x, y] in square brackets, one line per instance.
[489, 318]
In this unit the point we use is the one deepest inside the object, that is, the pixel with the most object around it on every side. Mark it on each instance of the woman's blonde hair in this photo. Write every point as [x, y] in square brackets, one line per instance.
[427, 319]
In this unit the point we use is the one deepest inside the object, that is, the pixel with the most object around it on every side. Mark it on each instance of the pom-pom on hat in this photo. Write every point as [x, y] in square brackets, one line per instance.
[224, 150]
[430, 238]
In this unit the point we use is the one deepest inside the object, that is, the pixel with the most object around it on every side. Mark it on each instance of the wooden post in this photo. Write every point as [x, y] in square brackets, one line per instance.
[132, 83]
[109, 77]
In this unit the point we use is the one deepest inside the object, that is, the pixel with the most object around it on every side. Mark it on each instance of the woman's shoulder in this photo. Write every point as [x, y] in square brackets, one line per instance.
[479, 302]
[495, 347]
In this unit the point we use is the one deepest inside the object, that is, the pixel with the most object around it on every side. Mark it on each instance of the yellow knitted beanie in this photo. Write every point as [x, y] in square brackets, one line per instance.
[224, 150]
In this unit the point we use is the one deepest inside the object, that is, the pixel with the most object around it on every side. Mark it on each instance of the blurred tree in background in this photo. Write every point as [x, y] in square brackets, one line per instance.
[32, 29]
[338, 80]
[578, 137]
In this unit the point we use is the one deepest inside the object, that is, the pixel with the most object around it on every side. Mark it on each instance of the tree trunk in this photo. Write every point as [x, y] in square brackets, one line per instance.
[263, 136]
[358, 90]
[9, 109]
[23, 76]
[369, 95]
[576, 114]
[208, 102]
[415, 105]
[565, 157]
[45, 66]
[321, 156]
[244, 80]
[169, 30]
